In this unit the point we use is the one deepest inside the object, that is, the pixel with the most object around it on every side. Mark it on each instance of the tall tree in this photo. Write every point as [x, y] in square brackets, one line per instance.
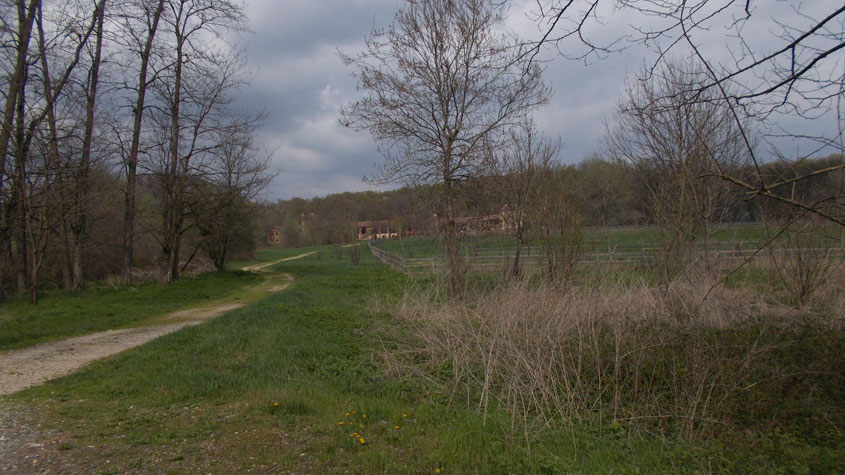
[439, 82]
[676, 140]
[37, 170]
[220, 202]
[520, 166]
[67, 192]
[789, 83]
[140, 30]
[196, 94]
[78, 218]
[17, 77]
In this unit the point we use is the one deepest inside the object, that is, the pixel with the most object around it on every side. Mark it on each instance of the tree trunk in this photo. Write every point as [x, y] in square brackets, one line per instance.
[516, 255]
[450, 241]
[79, 226]
[132, 159]
[52, 161]
[16, 82]
[21, 192]
[67, 259]
[174, 221]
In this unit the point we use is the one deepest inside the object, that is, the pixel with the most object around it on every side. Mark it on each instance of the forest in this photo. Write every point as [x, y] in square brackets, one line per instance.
[605, 193]
[122, 152]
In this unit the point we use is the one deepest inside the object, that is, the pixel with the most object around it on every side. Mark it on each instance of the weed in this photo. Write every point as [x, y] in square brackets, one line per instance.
[630, 359]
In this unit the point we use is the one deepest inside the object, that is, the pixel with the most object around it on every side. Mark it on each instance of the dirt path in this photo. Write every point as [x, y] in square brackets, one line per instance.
[27, 448]
[31, 366]
[264, 265]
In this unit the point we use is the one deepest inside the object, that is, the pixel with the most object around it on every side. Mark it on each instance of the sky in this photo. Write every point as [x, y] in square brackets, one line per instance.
[300, 82]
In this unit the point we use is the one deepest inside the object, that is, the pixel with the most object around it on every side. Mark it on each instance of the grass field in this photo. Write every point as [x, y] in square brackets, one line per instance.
[595, 240]
[295, 382]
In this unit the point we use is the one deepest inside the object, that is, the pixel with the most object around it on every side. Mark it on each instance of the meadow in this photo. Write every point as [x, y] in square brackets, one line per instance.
[622, 239]
[331, 375]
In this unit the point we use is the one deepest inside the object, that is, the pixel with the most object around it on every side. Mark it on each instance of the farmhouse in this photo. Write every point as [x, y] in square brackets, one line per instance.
[467, 226]
[274, 236]
[476, 225]
[375, 230]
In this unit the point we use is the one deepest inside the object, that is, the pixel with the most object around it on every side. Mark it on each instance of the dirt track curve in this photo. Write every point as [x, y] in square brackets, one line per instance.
[20, 369]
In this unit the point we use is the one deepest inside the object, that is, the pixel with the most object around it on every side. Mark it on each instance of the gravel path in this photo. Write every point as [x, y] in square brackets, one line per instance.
[24, 446]
[27, 448]
[20, 369]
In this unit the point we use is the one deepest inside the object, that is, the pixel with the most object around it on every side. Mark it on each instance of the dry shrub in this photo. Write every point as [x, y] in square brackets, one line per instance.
[629, 355]
[805, 256]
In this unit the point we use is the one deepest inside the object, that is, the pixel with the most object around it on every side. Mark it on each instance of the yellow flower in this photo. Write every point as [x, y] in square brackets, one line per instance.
[364, 416]
[361, 439]
[340, 423]
[436, 470]
[347, 413]
[404, 415]
[276, 404]
[395, 427]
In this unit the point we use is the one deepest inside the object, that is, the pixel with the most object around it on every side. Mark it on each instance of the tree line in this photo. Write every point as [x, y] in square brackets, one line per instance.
[603, 192]
[121, 112]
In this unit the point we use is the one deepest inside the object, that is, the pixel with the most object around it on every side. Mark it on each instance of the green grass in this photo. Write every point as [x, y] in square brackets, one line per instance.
[267, 254]
[61, 314]
[265, 387]
[620, 239]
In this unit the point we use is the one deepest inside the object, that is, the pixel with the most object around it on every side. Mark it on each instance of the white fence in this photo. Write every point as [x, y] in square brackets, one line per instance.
[493, 259]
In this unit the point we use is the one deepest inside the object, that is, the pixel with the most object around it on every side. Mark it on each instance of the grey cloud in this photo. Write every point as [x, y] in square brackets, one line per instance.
[301, 82]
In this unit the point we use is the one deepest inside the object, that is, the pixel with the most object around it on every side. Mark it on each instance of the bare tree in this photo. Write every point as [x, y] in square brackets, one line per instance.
[25, 15]
[51, 55]
[140, 26]
[676, 140]
[791, 83]
[520, 164]
[803, 254]
[69, 190]
[37, 176]
[556, 223]
[220, 201]
[438, 82]
[77, 219]
[195, 94]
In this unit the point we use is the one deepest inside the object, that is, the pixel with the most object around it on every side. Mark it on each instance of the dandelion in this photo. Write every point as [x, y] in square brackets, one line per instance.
[340, 423]
[360, 425]
[361, 439]
[364, 416]
[347, 413]
[436, 470]
[404, 415]
[275, 404]
[396, 427]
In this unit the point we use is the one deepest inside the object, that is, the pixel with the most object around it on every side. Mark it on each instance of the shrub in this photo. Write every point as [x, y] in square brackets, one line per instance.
[631, 357]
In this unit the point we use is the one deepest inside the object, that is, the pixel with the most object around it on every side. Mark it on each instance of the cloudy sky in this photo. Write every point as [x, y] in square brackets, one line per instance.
[301, 83]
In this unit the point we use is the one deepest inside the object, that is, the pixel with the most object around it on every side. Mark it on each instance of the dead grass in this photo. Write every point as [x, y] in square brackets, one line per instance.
[634, 357]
